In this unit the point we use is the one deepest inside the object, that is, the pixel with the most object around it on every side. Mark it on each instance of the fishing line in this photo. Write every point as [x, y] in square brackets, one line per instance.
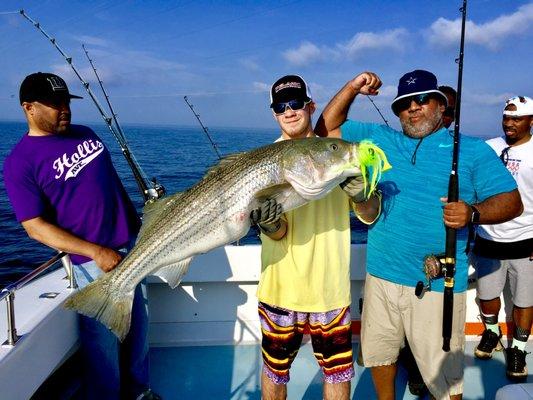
[113, 114]
[150, 190]
[378, 110]
[213, 144]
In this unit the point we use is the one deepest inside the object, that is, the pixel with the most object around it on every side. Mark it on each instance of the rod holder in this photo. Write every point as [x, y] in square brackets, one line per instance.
[67, 265]
[12, 336]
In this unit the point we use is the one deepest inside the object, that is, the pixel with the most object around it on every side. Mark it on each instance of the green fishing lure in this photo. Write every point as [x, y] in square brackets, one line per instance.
[373, 162]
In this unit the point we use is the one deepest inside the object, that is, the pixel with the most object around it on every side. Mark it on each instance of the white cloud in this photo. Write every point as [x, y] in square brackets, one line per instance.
[92, 41]
[388, 91]
[261, 87]
[491, 34]
[488, 99]
[320, 93]
[387, 40]
[250, 64]
[309, 52]
[122, 67]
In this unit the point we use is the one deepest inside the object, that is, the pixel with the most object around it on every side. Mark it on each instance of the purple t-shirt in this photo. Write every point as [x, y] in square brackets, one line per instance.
[69, 180]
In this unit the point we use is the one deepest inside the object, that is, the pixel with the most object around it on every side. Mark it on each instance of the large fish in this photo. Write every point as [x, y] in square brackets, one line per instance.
[216, 211]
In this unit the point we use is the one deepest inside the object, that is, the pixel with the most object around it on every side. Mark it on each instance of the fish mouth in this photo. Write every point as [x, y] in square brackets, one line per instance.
[354, 156]
[352, 165]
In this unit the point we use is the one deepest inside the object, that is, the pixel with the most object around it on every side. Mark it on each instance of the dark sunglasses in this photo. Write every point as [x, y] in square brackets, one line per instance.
[504, 156]
[279, 108]
[405, 103]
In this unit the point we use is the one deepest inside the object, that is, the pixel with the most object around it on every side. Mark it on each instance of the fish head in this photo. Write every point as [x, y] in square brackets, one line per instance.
[314, 166]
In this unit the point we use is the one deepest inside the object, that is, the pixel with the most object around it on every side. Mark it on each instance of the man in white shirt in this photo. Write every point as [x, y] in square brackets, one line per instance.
[505, 251]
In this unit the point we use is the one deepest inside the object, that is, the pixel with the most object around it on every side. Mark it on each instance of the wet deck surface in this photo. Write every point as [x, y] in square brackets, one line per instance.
[233, 372]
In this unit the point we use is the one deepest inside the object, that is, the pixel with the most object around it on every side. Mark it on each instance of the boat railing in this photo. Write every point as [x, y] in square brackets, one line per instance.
[8, 293]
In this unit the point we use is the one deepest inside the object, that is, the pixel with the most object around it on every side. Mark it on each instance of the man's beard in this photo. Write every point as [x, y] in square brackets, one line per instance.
[423, 128]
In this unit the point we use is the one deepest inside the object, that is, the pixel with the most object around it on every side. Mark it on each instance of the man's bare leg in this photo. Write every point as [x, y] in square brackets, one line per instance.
[383, 377]
[453, 397]
[270, 390]
[337, 391]
[523, 317]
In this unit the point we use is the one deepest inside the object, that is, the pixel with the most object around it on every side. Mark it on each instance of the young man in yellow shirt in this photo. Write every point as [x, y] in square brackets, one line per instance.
[305, 278]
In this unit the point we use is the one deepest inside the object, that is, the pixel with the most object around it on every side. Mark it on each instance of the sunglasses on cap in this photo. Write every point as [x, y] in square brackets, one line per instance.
[405, 103]
[294, 105]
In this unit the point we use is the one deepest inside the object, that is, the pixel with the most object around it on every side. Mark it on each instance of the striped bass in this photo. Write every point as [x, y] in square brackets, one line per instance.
[216, 211]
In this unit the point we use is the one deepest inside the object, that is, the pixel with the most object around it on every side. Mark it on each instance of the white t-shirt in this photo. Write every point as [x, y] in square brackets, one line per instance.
[520, 165]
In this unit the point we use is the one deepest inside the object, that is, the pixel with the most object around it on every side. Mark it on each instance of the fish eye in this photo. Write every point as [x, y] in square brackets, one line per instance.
[334, 147]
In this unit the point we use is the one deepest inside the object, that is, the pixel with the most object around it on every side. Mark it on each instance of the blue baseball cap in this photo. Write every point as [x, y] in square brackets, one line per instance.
[417, 82]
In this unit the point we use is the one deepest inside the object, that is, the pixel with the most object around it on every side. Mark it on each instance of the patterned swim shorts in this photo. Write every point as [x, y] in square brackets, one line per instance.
[331, 337]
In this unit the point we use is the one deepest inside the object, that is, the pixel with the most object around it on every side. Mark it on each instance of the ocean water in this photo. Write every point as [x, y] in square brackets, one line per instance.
[177, 156]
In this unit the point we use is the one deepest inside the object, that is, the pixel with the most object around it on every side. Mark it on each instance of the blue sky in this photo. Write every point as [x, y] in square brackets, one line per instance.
[225, 55]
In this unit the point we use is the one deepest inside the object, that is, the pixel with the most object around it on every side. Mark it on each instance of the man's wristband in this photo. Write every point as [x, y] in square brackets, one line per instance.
[474, 218]
[364, 214]
[270, 228]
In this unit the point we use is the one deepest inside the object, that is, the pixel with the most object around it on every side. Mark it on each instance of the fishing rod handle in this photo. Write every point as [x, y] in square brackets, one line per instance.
[447, 317]
[453, 187]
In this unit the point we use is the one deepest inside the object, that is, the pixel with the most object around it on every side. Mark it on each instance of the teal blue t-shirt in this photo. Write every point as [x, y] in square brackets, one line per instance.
[411, 224]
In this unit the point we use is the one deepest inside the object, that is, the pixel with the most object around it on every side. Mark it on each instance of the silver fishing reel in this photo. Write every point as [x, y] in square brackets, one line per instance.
[433, 269]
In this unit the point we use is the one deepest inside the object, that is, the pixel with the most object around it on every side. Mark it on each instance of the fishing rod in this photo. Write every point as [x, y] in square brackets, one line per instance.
[213, 144]
[156, 190]
[453, 196]
[150, 190]
[378, 110]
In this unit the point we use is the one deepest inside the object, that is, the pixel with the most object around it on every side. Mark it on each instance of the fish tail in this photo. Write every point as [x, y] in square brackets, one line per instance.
[98, 300]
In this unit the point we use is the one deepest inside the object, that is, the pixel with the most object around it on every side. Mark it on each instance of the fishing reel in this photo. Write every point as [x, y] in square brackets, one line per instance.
[156, 191]
[433, 268]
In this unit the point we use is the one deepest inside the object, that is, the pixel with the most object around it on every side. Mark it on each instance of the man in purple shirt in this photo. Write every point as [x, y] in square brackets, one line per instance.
[66, 194]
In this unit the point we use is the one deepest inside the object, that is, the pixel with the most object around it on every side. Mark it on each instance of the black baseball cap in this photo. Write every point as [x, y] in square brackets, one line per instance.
[45, 87]
[289, 87]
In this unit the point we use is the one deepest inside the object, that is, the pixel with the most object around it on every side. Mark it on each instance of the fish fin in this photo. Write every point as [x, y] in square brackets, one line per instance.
[173, 273]
[273, 191]
[97, 300]
[153, 210]
[226, 160]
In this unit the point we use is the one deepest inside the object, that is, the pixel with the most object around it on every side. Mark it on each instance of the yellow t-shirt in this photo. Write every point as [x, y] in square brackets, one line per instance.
[309, 269]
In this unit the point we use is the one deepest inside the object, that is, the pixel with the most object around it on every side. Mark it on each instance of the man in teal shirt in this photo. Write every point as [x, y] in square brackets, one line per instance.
[411, 227]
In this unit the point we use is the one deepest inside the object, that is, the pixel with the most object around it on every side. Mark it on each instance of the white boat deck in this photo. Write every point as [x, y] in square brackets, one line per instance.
[233, 372]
